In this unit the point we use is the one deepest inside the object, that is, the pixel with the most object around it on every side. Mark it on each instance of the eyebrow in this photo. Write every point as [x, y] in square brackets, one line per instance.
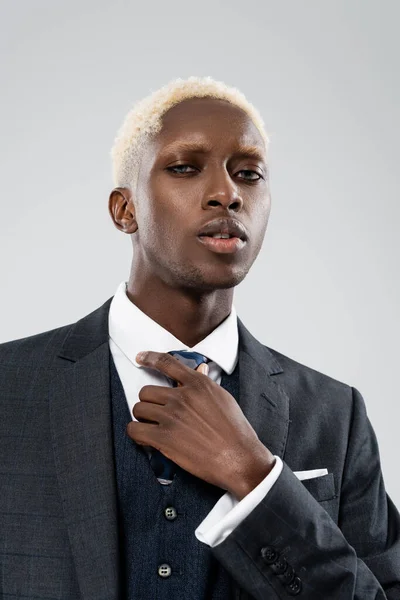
[248, 151]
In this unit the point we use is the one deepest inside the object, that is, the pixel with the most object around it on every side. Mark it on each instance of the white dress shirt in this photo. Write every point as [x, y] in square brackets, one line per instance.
[131, 331]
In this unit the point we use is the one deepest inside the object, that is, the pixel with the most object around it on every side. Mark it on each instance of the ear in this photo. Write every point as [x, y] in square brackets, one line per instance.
[122, 210]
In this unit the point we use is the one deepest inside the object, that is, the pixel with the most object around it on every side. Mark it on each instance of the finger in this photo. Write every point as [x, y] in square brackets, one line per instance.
[166, 363]
[155, 394]
[203, 368]
[148, 412]
[145, 434]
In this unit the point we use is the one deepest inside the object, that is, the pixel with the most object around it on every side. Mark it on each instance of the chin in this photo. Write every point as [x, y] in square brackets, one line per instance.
[220, 282]
[205, 279]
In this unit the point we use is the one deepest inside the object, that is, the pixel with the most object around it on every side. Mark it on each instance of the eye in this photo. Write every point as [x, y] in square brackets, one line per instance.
[250, 175]
[181, 169]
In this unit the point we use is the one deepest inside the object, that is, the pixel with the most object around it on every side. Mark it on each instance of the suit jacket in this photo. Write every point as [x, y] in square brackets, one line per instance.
[335, 536]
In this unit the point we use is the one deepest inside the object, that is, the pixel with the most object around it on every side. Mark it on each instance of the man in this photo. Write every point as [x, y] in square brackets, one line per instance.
[212, 466]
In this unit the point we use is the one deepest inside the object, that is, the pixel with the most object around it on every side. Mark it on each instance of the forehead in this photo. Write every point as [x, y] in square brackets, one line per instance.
[208, 120]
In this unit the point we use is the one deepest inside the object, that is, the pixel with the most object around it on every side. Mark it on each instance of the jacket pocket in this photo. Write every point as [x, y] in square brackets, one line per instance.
[322, 488]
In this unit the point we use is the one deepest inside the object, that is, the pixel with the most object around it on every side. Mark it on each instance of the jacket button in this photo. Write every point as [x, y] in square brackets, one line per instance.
[164, 570]
[294, 588]
[170, 513]
[269, 554]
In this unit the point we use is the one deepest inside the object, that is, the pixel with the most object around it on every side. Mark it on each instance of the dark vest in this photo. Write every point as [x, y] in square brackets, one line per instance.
[157, 522]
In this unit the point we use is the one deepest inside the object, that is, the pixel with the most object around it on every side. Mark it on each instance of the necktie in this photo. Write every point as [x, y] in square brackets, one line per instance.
[162, 466]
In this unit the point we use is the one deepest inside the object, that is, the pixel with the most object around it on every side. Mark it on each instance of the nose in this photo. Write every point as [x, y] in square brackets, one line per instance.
[221, 190]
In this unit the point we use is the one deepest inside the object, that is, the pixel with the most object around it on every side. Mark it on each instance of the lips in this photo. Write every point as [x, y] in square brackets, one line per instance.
[221, 246]
[225, 226]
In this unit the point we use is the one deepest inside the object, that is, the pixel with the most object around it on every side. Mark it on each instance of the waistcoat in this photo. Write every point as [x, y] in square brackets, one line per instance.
[161, 556]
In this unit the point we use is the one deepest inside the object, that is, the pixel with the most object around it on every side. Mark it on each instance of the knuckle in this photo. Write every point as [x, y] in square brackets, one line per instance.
[198, 383]
[164, 359]
[175, 416]
[180, 400]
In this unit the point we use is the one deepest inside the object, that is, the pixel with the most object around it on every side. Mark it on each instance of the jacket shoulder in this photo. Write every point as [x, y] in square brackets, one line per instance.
[34, 350]
[311, 386]
[42, 349]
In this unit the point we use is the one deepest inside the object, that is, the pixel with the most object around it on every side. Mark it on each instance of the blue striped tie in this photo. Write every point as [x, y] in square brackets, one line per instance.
[162, 466]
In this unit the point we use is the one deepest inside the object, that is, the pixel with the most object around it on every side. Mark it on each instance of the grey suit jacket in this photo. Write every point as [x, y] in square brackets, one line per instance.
[335, 536]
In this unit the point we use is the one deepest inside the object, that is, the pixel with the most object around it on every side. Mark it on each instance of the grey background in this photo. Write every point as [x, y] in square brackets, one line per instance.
[325, 76]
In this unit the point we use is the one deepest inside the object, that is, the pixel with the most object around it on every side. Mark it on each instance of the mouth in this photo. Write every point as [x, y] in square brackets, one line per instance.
[223, 245]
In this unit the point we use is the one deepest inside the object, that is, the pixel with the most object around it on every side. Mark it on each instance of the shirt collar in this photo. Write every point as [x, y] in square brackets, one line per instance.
[132, 331]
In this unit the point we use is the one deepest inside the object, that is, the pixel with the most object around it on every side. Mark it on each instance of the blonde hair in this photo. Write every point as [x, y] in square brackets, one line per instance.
[144, 120]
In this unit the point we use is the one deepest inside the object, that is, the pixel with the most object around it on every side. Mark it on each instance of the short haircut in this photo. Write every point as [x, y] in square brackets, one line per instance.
[144, 120]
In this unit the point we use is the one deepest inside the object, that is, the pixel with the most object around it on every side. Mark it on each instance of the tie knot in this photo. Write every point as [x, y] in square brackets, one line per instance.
[189, 358]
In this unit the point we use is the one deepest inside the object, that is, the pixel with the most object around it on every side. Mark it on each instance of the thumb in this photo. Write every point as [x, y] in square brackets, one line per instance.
[203, 368]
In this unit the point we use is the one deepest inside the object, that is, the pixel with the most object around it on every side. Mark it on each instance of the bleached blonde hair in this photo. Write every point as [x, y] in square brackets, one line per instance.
[144, 120]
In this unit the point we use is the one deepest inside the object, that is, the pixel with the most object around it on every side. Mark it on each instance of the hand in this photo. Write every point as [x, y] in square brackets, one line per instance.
[199, 426]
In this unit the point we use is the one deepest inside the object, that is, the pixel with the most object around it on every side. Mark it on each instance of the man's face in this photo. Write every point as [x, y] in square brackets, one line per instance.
[198, 169]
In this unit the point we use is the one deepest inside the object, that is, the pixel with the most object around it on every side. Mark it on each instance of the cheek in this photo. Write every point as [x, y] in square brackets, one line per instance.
[260, 217]
[261, 212]
[153, 211]
[163, 224]
[172, 208]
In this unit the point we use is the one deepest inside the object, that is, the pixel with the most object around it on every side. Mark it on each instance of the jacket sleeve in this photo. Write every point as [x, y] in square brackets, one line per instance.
[289, 545]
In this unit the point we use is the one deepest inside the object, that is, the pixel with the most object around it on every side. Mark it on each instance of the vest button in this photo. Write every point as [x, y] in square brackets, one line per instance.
[164, 570]
[170, 513]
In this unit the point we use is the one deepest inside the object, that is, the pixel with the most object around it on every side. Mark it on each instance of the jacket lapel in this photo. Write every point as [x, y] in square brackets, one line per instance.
[81, 421]
[262, 398]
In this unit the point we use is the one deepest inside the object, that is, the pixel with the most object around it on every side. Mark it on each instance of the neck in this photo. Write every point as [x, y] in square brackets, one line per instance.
[189, 315]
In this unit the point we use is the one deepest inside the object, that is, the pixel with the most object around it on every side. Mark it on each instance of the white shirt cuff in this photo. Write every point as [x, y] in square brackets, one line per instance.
[229, 512]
